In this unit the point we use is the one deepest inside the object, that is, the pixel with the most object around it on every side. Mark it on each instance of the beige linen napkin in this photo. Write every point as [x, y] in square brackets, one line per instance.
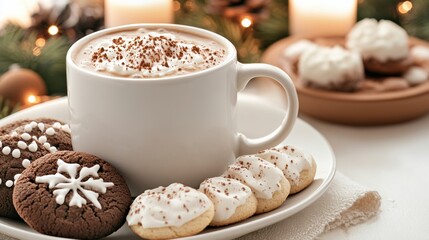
[344, 204]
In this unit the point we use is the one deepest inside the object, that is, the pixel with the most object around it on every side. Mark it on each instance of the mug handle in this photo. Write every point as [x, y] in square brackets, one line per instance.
[245, 73]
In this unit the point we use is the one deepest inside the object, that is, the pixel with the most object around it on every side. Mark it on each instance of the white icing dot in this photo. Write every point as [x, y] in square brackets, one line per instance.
[6, 150]
[14, 134]
[28, 128]
[33, 124]
[32, 147]
[47, 145]
[25, 163]
[16, 153]
[41, 126]
[34, 137]
[57, 125]
[0, 181]
[26, 136]
[42, 139]
[16, 177]
[1, 144]
[52, 149]
[66, 128]
[22, 145]
[9, 183]
[50, 131]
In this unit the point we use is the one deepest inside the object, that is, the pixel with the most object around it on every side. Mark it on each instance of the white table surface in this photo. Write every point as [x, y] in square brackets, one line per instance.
[392, 159]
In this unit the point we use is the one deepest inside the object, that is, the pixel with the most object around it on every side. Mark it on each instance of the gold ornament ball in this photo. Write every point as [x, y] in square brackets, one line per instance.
[18, 84]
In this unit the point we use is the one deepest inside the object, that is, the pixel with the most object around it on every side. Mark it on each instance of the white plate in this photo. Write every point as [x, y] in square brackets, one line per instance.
[255, 118]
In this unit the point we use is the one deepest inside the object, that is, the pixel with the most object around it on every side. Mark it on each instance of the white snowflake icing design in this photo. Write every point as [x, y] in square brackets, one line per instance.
[89, 188]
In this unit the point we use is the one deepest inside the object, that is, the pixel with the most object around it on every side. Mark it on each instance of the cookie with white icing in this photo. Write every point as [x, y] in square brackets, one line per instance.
[72, 195]
[233, 201]
[16, 154]
[331, 68]
[297, 165]
[383, 44]
[52, 134]
[170, 212]
[267, 182]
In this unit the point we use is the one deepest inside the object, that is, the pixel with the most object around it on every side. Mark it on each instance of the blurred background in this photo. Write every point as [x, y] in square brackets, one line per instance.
[36, 34]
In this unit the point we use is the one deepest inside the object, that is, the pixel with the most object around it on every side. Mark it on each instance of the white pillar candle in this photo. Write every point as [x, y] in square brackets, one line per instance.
[121, 12]
[321, 18]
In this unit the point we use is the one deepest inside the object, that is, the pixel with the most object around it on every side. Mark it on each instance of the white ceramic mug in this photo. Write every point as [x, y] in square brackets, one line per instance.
[170, 129]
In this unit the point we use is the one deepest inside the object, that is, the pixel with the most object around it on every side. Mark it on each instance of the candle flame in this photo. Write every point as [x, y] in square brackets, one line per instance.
[246, 22]
[404, 7]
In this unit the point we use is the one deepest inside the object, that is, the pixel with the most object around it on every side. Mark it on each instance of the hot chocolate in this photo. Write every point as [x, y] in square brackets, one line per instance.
[149, 53]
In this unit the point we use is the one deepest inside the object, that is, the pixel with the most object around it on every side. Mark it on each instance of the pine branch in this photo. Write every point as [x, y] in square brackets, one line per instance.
[17, 46]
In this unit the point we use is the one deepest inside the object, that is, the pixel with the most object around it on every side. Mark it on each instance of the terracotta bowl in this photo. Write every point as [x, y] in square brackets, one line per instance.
[358, 108]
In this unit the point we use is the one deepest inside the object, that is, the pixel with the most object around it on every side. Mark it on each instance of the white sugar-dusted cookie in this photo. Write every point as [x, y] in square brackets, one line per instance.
[233, 201]
[170, 212]
[297, 165]
[267, 182]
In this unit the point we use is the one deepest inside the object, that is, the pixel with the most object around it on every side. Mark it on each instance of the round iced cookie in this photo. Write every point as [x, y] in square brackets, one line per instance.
[16, 154]
[52, 134]
[233, 201]
[267, 182]
[170, 212]
[7, 128]
[383, 45]
[297, 165]
[72, 195]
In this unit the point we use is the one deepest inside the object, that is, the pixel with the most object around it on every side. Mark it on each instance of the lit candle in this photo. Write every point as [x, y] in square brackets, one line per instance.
[121, 12]
[321, 18]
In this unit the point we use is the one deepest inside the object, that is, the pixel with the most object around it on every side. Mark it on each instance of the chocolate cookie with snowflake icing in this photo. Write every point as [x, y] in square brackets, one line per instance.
[16, 154]
[52, 134]
[72, 195]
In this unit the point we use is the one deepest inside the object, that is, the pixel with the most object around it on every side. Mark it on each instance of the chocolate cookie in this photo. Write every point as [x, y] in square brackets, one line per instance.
[52, 134]
[16, 154]
[73, 195]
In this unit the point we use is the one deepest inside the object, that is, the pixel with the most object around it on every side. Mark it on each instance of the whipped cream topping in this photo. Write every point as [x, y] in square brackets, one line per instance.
[169, 206]
[152, 54]
[261, 176]
[328, 67]
[291, 160]
[226, 194]
[382, 41]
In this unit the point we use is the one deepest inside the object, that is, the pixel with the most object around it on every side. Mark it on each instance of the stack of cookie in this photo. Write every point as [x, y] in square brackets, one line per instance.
[376, 56]
[64, 193]
[253, 184]
[55, 190]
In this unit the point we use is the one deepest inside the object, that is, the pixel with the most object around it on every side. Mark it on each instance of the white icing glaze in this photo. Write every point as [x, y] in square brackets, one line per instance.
[33, 124]
[326, 67]
[226, 194]
[261, 176]
[14, 134]
[41, 126]
[22, 145]
[26, 163]
[16, 153]
[383, 40]
[28, 128]
[42, 139]
[33, 147]
[9, 183]
[1, 144]
[15, 178]
[90, 188]
[52, 149]
[6, 150]
[291, 160]
[420, 53]
[295, 50]
[50, 131]
[56, 125]
[25, 136]
[416, 75]
[174, 205]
